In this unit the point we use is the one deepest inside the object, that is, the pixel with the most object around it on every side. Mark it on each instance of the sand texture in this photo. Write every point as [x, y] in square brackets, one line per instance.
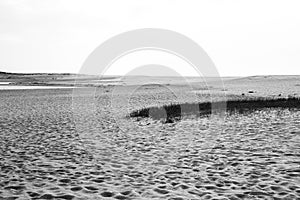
[53, 149]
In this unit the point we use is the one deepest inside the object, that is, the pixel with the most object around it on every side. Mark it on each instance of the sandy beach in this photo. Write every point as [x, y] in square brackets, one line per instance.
[51, 151]
[149, 100]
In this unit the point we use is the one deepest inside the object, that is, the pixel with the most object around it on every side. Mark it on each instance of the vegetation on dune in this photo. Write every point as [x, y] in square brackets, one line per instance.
[176, 111]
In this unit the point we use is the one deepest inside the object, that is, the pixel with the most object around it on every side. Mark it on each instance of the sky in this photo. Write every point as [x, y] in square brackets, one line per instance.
[243, 38]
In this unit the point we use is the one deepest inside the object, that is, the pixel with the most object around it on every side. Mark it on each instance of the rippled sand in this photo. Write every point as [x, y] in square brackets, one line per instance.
[50, 152]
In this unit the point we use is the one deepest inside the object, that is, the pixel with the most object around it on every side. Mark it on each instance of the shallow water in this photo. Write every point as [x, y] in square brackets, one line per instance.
[7, 86]
[4, 83]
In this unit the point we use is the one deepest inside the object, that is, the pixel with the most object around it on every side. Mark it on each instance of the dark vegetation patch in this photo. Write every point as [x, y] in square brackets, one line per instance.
[176, 111]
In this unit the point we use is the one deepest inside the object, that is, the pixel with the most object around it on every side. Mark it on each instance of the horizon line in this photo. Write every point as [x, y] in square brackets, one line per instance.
[119, 75]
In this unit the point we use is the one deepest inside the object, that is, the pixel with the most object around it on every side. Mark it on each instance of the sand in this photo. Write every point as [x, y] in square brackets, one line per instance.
[48, 150]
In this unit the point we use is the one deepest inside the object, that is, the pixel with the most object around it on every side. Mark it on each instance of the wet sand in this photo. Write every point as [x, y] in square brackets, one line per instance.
[48, 151]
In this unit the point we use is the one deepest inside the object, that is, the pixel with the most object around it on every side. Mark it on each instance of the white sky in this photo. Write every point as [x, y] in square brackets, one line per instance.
[242, 37]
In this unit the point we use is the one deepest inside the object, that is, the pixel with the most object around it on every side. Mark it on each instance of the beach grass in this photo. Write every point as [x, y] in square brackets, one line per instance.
[174, 111]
